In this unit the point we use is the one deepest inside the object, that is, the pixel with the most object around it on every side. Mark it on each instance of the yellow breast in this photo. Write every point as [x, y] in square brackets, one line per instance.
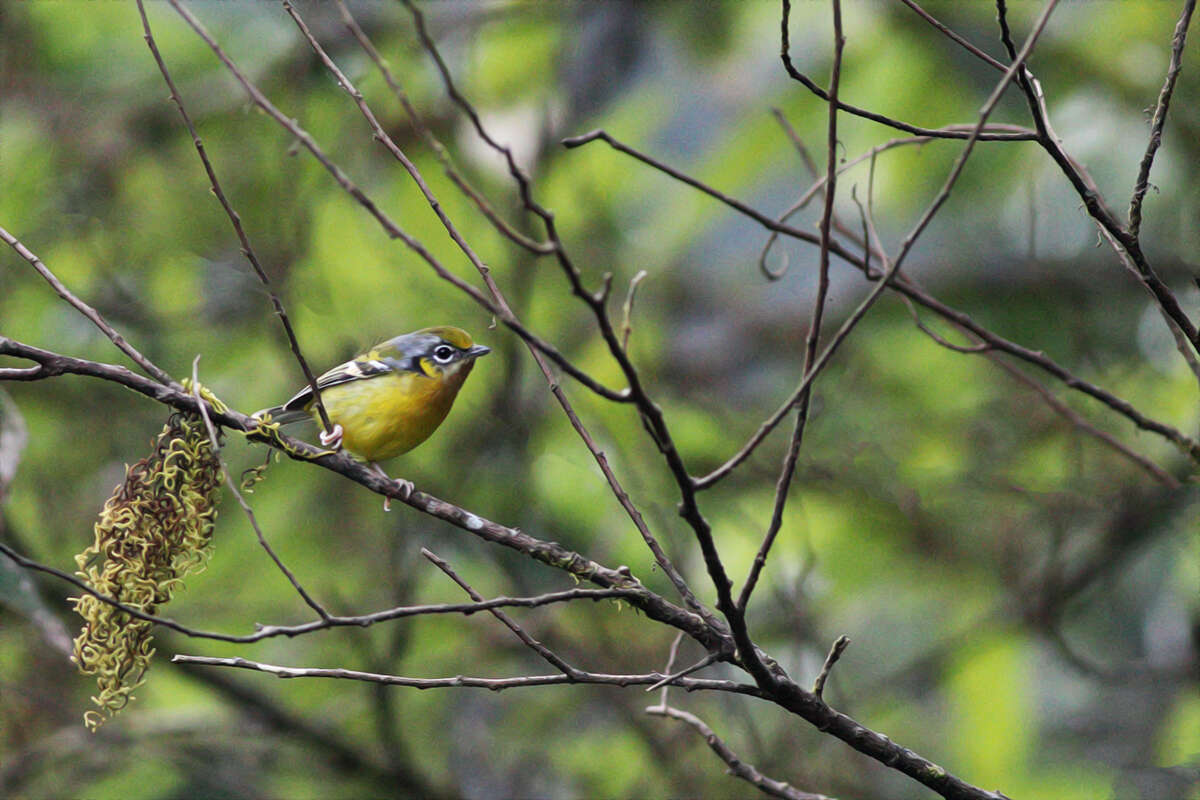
[384, 416]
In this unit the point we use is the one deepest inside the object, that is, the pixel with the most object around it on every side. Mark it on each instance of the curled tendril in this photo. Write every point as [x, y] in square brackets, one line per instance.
[154, 530]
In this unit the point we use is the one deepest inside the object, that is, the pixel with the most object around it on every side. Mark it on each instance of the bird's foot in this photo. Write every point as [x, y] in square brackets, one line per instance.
[332, 438]
[406, 487]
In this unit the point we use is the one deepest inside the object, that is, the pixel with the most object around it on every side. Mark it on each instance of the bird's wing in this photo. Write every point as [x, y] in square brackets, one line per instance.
[357, 369]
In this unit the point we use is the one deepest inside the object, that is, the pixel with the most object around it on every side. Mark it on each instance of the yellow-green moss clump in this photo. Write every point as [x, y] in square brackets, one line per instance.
[155, 529]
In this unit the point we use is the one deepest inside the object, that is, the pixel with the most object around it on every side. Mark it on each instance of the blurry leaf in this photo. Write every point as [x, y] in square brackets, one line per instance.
[994, 727]
[1179, 741]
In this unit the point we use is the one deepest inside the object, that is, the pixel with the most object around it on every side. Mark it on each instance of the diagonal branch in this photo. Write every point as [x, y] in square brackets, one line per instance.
[504, 228]
[234, 219]
[972, 49]
[1080, 422]
[533, 644]
[1086, 189]
[83, 308]
[737, 767]
[937, 133]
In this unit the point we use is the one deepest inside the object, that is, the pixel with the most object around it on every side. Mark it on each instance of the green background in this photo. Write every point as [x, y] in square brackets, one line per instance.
[937, 506]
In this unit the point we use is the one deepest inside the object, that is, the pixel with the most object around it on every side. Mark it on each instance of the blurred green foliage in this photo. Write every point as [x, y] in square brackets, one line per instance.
[941, 513]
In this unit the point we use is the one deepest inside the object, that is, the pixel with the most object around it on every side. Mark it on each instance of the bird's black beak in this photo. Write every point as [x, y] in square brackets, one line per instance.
[478, 350]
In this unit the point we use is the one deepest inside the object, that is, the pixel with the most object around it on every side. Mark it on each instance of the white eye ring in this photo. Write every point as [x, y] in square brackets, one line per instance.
[443, 354]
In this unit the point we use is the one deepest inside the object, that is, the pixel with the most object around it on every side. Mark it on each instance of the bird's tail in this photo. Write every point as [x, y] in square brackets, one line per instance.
[281, 415]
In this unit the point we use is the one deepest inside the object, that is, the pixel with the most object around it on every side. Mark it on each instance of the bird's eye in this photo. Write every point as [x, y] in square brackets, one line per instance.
[443, 354]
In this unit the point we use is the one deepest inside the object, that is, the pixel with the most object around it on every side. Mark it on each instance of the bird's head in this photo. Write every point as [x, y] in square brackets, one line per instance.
[444, 352]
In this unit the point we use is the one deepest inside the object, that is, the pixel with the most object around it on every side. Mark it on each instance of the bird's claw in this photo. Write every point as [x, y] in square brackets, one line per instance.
[406, 490]
[332, 438]
[406, 487]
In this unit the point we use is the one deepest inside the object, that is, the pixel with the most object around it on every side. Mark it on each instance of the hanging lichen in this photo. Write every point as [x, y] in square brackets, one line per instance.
[155, 529]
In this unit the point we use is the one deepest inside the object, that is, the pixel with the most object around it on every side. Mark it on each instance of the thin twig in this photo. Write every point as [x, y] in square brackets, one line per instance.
[627, 307]
[737, 767]
[390, 227]
[358, 621]
[533, 644]
[969, 349]
[937, 133]
[262, 540]
[1178, 40]
[504, 228]
[1079, 421]
[1088, 193]
[235, 219]
[835, 652]
[812, 341]
[708, 660]
[1060, 407]
[672, 652]
[524, 187]
[83, 308]
[1182, 345]
[462, 681]
[972, 49]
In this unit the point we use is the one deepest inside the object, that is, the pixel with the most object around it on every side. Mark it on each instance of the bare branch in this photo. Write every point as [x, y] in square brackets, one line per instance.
[937, 133]
[522, 180]
[533, 644]
[262, 540]
[784, 482]
[461, 681]
[1078, 420]
[708, 660]
[1178, 40]
[236, 220]
[627, 307]
[835, 652]
[83, 308]
[972, 49]
[360, 621]
[737, 767]
[505, 229]
[1086, 189]
[389, 225]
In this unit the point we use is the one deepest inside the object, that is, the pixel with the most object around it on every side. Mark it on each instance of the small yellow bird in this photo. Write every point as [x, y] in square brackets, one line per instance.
[388, 400]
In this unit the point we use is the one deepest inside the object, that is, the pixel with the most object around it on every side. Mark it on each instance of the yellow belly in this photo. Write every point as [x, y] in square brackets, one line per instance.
[385, 416]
